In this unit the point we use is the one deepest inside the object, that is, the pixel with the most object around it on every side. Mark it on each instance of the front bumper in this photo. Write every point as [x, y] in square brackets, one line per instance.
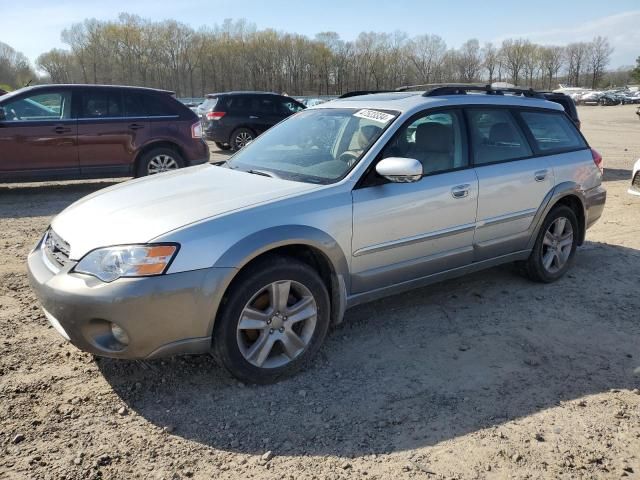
[162, 315]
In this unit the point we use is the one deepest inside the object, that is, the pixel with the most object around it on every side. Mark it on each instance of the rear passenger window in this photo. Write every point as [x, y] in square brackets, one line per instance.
[101, 104]
[552, 131]
[133, 105]
[496, 137]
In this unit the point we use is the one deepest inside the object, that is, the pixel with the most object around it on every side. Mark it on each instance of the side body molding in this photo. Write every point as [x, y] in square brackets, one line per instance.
[271, 238]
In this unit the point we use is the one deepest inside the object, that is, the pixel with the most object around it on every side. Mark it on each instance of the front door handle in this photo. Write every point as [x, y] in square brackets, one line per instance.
[60, 129]
[540, 175]
[253, 117]
[135, 126]
[460, 191]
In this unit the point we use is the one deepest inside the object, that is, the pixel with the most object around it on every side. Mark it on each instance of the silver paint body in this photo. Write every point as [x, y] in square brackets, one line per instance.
[379, 240]
[632, 189]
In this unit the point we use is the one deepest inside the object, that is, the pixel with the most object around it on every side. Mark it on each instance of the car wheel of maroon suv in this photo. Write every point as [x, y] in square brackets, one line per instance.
[51, 132]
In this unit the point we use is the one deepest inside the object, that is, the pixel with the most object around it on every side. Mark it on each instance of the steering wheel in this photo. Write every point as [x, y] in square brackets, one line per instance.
[348, 157]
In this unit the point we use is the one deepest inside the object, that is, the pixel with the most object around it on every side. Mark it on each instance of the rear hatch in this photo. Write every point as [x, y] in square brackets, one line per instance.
[206, 107]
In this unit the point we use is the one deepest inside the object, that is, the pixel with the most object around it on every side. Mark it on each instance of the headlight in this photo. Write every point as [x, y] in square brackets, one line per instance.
[111, 263]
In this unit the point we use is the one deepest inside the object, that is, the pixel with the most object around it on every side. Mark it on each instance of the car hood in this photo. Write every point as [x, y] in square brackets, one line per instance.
[140, 210]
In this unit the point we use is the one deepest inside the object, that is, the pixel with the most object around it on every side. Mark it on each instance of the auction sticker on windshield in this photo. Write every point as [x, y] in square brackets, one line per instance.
[374, 115]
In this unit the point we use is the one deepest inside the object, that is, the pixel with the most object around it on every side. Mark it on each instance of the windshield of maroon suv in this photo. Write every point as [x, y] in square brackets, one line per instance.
[315, 146]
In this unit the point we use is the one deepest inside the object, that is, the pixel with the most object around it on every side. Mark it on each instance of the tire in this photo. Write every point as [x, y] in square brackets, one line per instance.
[159, 160]
[238, 349]
[222, 146]
[240, 138]
[537, 267]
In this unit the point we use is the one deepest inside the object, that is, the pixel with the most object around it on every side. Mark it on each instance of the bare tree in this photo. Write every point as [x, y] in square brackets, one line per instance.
[426, 53]
[514, 53]
[491, 57]
[469, 61]
[599, 56]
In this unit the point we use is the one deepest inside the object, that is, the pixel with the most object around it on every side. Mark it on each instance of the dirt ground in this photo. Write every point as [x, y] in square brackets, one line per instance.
[488, 376]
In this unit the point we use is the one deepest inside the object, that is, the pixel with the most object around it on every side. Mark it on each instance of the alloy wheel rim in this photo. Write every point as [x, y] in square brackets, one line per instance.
[162, 163]
[557, 244]
[242, 139]
[277, 324]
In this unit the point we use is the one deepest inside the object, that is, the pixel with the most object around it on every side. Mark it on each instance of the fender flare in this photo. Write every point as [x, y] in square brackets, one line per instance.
[263, 241]
[554, 195]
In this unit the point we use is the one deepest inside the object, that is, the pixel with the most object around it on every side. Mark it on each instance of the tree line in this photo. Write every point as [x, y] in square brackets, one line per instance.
[15, 69]
[237, 56]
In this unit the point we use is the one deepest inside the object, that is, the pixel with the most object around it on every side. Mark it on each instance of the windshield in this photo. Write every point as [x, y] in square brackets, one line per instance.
[316, 146]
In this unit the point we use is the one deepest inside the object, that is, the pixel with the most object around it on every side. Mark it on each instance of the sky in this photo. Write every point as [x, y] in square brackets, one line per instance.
[34, 26]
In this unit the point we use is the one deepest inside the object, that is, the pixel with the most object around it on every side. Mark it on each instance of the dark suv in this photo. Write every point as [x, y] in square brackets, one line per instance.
[233, 119]
[52, 132]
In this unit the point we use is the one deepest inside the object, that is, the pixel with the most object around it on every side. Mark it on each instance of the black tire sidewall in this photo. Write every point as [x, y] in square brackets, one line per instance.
[143, 166]
[235, 133]
[222, 146]
[535, 267]
[248, 283]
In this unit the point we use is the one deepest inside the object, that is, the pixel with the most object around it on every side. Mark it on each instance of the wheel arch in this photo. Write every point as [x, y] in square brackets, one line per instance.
[153, 145]
[307, 244]
[565, 193]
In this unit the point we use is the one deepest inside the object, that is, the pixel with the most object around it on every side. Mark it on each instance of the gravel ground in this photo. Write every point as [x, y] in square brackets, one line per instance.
[488, 376]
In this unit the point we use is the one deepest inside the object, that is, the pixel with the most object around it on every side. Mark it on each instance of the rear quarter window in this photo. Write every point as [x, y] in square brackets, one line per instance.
[161, 105]
[552, 131]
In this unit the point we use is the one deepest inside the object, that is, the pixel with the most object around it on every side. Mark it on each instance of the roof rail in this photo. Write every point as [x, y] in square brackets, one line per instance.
[357, 93]
[439, 89]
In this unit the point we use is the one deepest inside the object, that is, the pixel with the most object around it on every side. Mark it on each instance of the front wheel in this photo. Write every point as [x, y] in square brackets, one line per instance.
[555, 246]
[274, 319]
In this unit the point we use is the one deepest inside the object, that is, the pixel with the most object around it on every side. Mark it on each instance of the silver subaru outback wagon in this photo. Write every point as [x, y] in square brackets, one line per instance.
[340, 204]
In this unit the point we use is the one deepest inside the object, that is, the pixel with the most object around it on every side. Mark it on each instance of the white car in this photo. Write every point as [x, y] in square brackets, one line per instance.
[635, 180]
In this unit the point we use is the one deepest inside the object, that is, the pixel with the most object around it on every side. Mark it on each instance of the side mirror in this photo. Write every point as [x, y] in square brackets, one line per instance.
[3, 115]
[400, 170]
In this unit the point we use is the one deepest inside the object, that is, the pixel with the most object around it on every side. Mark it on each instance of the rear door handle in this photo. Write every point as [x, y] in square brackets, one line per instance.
[460, 191]
[540, 175]
[253, 117]
[135, 126]
[61, 129]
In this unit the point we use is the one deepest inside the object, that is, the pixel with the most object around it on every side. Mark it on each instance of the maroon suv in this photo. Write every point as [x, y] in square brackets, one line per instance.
[52, 132]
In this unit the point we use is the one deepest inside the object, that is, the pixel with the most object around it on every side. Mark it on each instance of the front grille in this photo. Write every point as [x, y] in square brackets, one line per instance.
[636, 181]
[56, 249]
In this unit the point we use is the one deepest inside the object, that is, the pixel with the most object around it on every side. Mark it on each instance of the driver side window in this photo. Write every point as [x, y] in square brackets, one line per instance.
[436, 140]
[39, 107]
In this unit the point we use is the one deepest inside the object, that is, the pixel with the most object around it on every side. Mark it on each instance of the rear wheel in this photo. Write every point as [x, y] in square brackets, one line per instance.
[241, 138]
[159, 160]
[222, 146]
[555, 246]
[275, 317]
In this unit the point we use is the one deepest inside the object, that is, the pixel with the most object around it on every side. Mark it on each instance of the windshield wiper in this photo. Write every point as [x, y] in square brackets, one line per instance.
[264, 173]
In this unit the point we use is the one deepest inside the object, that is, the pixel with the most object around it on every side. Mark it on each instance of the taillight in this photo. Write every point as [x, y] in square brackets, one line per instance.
[196, 130]
[597, 159]
[215, 115]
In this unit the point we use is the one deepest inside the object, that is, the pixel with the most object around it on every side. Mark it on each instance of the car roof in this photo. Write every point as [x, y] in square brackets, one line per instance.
[82, 85]
[241, 92]
[410, 101]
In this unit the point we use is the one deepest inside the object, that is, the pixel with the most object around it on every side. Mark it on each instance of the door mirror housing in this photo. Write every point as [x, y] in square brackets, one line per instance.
[400, 170]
